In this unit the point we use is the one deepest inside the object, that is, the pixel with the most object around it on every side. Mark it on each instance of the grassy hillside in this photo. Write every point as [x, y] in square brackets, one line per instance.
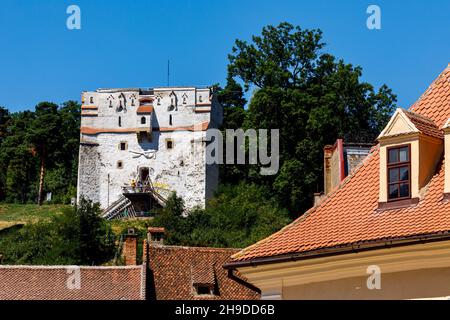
[12, 214]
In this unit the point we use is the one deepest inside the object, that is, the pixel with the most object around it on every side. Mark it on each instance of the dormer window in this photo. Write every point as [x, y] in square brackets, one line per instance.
[202, 290]
[411, 147]
[399, 173]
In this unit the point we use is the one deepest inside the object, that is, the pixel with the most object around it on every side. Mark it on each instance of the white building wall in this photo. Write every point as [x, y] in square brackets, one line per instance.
[181, 169]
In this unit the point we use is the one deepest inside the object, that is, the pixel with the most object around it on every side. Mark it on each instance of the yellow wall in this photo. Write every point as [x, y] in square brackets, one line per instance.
[447, 165]
[415, 271]
[425, 155]
[430, 155]
[418, 284]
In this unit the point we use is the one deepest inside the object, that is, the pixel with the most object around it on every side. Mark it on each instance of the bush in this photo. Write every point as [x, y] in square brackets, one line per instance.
[237, 217]
[79, 236]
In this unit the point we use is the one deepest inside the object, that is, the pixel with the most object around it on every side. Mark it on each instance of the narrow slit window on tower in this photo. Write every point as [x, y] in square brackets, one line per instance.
[120, 121]
[110, 103]
[119, 164]
[143, 120]
[170, 120]
[169, 144]
[132, 102]
[123, 146]
[91, 100]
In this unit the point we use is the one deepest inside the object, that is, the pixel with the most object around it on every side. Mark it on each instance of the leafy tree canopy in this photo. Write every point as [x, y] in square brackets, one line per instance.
[311, 97]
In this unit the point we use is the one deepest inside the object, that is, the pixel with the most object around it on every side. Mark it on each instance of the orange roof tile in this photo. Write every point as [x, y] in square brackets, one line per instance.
[50, 283]
[349, 216]
[144, 109]
[176, 269]
[424, 124]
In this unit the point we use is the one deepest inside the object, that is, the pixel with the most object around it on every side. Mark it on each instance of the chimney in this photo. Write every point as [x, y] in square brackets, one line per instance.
[333, 165]
[155, 236]
[130, 248]
[339, 160]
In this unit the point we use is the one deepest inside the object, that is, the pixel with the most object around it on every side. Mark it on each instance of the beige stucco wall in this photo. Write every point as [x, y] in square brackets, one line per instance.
[415, 271]
[419, 284]
[430, 151]
[447, 167]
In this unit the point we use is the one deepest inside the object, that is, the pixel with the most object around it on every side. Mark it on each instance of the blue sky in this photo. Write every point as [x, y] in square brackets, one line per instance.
[128, 43]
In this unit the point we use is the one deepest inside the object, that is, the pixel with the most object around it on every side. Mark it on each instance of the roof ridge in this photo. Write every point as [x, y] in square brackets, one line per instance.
[431, 86]
[420, 116]
[195, 248]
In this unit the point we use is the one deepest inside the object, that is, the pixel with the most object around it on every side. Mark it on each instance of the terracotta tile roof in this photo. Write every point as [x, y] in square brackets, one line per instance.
[144, 109]
[50, 283]
[435, 102]
[349, 216]
[424, 124]
[203, 272]
[175, 270]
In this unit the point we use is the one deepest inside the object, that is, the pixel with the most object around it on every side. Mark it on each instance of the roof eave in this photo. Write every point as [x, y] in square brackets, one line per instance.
[339, 250]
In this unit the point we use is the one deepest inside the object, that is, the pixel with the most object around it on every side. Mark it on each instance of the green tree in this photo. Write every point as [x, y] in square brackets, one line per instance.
[238, 216]
[231, 97]
[5, 119]
[17, 161]
[312, 98]
[78, 237]
[44, 136]
[95, 236]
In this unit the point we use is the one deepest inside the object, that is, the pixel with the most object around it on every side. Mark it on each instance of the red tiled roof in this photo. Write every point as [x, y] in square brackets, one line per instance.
[434, 103]
[424, 124]
[144, 109]
[51, 283]
[349, 216]
[175, 270]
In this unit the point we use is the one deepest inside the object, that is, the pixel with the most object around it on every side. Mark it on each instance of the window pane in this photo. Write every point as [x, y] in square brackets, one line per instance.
[404, 173]
[404, 154]
[393, 191]
[404, 190]
[393, 175]
[393, 156]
